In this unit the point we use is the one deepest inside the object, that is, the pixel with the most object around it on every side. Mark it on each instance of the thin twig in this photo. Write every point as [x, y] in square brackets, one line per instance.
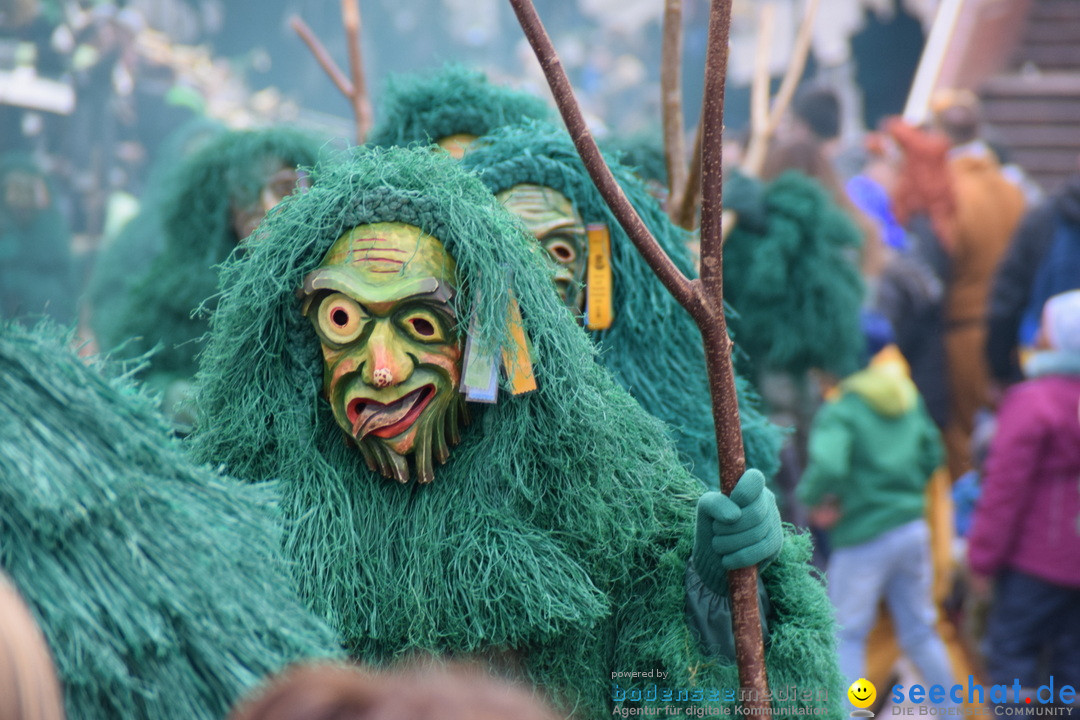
[760, 137]
[671, 106]
[350, 16]
[321, 56]
[670, 276]
[759, 87]
[793, 74]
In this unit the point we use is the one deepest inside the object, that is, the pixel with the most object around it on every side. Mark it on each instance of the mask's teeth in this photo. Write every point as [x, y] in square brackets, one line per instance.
[425, 473]
[400, 470]
[369, 457]
[455, 418]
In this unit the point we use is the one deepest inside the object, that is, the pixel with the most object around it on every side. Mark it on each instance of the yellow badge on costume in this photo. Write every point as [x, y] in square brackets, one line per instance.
[598, 283]
[516, 359]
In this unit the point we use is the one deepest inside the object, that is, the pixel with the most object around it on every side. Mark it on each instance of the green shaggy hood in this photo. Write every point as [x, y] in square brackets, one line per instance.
[423, 108]
[791, 271]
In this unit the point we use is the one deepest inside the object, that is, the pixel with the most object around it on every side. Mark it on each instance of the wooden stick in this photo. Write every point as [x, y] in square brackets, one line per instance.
[321, 56]
[703, 298]
[671, 106]
[746, 621]
[795, 68]
[350, 16]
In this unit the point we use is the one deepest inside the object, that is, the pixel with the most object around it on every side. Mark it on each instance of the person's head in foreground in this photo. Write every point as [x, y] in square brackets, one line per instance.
[338, 692]
[28, 686]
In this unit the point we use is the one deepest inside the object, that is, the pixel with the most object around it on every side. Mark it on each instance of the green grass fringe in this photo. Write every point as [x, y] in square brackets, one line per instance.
[643, 152]
[556, 535]
[653, 348]
[159, 585]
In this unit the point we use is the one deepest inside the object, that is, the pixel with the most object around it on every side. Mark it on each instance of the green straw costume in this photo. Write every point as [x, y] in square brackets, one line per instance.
[553, 542]
[159, 584]
[121, 264]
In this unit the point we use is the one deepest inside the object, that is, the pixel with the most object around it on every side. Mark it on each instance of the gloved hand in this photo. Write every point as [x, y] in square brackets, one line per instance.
[736, 531]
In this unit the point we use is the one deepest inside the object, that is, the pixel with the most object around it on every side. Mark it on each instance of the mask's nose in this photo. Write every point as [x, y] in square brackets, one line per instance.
[387, 363]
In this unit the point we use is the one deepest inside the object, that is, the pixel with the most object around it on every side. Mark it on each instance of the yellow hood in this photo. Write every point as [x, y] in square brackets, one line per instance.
[885, 385]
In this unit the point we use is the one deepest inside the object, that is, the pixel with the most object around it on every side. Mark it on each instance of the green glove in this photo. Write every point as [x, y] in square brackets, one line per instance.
[736, 531]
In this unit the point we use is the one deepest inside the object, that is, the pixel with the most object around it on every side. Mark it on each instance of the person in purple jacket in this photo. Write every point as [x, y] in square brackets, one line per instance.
[1025, 536]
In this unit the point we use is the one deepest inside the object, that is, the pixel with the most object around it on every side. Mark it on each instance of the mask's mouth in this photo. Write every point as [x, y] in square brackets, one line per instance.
[369, 417]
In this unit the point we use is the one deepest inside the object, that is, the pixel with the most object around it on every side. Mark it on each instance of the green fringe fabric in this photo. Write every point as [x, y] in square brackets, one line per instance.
[653, 348]
[422, 108]
[556, 536]
[231, 169]
[121, 264]
[159, 585]
[791, 271]
[37, 269]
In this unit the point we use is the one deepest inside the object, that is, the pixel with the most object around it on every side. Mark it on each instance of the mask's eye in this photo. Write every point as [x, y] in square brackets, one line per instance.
[340, 318]
[561, 251]
[423, 325]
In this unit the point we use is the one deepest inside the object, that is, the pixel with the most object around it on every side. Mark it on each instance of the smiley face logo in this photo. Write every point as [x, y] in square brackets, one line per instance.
[862, 693]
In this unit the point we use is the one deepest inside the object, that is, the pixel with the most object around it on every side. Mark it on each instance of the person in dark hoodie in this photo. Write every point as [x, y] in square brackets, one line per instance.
[1043, 259]
[872, 450]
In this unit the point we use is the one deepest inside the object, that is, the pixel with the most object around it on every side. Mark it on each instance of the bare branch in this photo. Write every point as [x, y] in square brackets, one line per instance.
[746, 620]
[671, 89]
[703, 299]
[325, 61]
[670, 275]
[350, 16]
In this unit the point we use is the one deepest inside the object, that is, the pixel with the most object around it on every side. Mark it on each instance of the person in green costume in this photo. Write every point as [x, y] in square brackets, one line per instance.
[546, 531]
[159, 585]
[124, 258]
[37, 269]
[217, 198]
[653, 346]
[791, 270]
[450, 107]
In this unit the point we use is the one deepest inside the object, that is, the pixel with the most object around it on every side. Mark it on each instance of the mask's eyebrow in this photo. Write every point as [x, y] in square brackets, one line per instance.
[338, 279]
